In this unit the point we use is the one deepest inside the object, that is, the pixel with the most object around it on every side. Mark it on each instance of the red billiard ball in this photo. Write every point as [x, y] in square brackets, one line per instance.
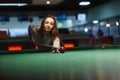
[62, 49]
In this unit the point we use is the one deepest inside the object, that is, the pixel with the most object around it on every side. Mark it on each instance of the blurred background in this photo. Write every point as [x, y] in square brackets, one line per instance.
[91, 23]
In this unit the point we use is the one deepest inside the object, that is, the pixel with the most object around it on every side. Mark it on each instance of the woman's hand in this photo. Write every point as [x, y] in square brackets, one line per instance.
[55, 50]
[59, 50]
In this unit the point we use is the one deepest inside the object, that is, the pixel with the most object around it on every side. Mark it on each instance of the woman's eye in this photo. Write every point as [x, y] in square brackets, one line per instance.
[52, 24]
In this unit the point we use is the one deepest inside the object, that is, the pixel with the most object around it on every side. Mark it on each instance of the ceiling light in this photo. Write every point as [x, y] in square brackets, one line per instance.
[84, 3]
[13, 4]
[48, 2]
[86, 29]
[95, 21]
[107, 25]
[117, 23]
[44, 2]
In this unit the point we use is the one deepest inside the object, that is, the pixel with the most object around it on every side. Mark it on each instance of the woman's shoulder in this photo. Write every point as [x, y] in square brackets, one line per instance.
[36, 27]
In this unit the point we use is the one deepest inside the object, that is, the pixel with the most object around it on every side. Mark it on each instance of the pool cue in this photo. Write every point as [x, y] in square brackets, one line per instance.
[46, 45]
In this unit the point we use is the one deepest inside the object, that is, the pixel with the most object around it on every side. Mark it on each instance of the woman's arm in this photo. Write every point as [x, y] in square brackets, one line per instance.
[32, 32]
[59, 46]
[56, 45]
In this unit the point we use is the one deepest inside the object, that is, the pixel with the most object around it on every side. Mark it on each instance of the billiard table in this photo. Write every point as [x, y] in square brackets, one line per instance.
[91, 63]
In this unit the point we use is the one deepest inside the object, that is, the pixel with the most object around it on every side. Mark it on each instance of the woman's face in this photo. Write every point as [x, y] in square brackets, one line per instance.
[48, 24]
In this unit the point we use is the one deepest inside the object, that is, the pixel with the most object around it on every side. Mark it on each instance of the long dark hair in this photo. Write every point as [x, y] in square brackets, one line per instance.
[54, 32]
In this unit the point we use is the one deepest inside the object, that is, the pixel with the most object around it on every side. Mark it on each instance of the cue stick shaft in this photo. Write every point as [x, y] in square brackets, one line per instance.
[46, 45]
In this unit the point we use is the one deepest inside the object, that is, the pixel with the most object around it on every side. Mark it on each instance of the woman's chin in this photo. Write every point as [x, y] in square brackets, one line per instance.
[48, 30]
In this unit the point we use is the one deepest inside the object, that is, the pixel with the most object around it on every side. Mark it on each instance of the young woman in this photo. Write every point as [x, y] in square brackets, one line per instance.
[47, 35]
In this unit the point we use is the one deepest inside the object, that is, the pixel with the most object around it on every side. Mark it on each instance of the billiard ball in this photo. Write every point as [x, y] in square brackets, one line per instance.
[62, 49]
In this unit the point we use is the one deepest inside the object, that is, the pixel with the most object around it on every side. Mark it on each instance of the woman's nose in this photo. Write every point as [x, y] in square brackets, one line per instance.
[48, 25]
